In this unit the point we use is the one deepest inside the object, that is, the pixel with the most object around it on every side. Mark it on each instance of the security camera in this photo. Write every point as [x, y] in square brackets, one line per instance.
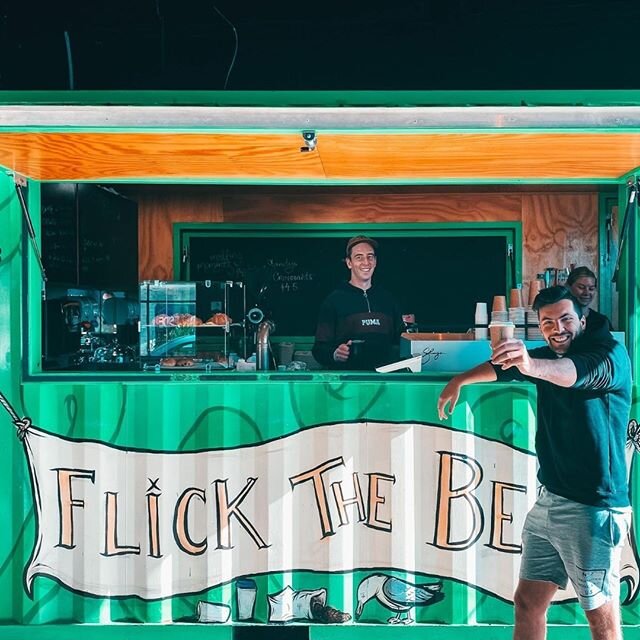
[310, 140]
[255, 315]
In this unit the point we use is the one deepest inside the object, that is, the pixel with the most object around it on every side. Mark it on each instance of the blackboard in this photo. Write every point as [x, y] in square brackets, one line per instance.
[439, 279]
[108, 231]
[89, 236]
[59, 221]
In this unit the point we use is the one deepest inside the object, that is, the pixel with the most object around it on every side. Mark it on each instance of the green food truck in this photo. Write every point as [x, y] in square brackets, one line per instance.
[177, 461]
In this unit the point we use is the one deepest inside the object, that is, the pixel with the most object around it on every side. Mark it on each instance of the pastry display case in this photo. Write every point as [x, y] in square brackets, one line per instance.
[191, 324]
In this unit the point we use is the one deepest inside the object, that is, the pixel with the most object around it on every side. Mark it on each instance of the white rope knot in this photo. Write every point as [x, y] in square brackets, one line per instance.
[23, 427]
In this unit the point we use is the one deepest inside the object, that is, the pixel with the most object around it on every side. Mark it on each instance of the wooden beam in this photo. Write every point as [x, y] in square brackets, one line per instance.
[339, 156]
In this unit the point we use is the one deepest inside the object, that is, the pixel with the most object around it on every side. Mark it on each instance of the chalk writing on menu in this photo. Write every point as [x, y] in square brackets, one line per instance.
[59, 241]
[286, 275]
[94, 252]
[280, 273]
[225, 263]
[90, 240]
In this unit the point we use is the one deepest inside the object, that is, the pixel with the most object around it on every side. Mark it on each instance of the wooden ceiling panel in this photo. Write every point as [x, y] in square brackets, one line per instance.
[491, 156]
[474, 156]
[102, 156]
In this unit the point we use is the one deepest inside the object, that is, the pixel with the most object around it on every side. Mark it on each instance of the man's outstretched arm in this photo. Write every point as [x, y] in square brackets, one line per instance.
[482, 373]
[512, 353]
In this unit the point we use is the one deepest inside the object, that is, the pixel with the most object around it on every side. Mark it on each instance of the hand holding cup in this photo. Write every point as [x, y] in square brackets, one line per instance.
[343, 351]
[499, 331]
[355, 348]
[508, 353]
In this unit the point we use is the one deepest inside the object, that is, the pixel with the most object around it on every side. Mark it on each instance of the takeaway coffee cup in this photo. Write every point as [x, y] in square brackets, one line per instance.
[286, 352]
[246, 590]
[355, 348]
[499, 331]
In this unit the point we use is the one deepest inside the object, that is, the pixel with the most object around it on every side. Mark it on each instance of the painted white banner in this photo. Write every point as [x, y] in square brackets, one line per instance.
[419, 498]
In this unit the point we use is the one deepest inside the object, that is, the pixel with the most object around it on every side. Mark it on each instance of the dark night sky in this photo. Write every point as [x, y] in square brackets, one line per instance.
[328, 45]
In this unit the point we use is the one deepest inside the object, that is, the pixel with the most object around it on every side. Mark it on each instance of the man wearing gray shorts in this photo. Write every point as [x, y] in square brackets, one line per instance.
[577, 527]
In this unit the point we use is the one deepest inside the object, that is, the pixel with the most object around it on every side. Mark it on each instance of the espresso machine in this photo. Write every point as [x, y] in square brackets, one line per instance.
[88, 329]
[113, 340]
[64, 317]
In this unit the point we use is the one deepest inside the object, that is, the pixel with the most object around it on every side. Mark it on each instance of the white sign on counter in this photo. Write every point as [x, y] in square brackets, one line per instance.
[459, 353]
[449, 355]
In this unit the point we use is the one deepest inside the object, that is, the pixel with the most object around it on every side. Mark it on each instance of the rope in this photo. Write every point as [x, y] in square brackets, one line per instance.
[22, 424]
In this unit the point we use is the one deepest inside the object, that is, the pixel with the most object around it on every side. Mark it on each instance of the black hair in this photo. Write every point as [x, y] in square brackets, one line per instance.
[551, 295]
[581, 272]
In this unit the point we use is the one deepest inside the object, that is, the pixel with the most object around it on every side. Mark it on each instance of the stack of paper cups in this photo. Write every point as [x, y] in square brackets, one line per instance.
[535, 286]
[533, 330]
[499, 309]
[499, 303]
[515, 298]
[481, 321]
[481, 313]
[516, 315]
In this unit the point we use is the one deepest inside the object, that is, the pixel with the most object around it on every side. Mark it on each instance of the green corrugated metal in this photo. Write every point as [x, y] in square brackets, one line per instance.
[188, 416]
[185, 414]
[191, 415]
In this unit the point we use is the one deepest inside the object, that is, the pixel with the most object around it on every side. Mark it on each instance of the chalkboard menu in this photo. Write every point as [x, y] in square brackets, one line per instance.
[108, 232]
[439, 279]
[89, 236]
[60, 232]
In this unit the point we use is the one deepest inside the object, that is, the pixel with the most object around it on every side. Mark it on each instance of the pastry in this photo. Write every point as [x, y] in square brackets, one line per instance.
[219, 319]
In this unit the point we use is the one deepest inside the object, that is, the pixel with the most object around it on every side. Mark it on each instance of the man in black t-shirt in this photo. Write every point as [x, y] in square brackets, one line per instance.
[359, 324]
[580, 521]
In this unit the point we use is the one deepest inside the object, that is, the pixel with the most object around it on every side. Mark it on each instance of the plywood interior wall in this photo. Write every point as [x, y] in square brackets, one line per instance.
[558, 228]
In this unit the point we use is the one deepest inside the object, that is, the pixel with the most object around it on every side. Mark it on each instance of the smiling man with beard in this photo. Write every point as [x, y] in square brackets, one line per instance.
[577, 527]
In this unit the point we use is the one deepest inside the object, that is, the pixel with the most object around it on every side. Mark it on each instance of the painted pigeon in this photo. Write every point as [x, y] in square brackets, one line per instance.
[397, 595]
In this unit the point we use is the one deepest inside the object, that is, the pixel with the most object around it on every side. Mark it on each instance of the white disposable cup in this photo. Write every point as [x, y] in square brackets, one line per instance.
[246, 591]
[482, 317]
